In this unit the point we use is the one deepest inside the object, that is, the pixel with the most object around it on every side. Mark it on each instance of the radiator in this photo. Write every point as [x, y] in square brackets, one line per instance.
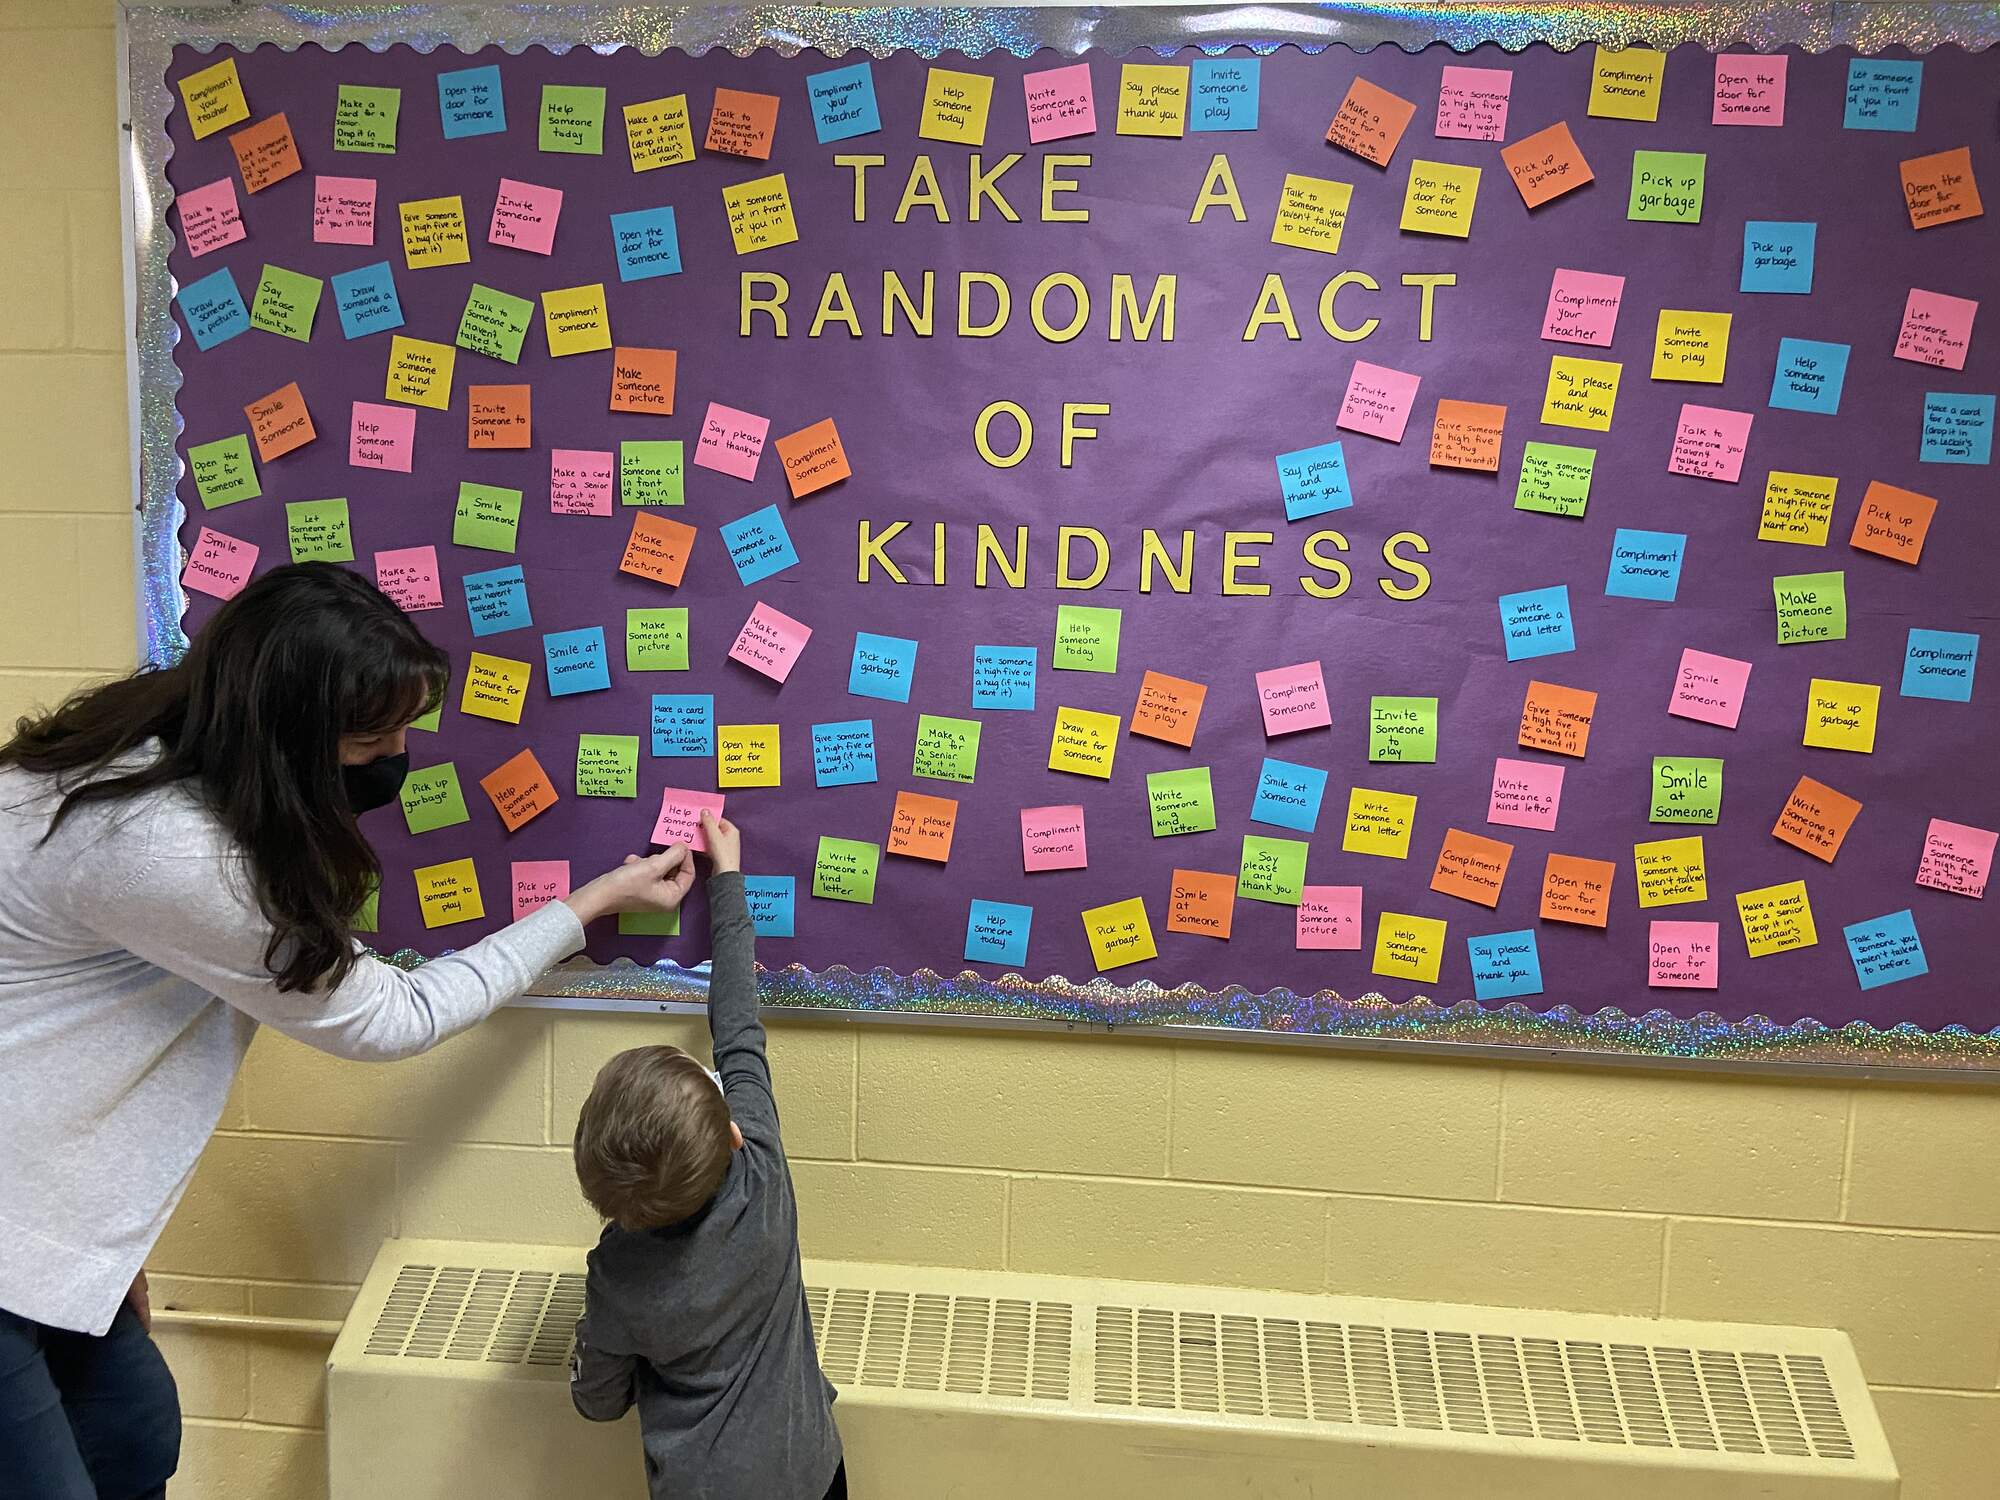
[449, 1379]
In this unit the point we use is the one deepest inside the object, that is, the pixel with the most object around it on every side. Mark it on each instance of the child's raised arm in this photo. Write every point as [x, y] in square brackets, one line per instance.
[732, 983]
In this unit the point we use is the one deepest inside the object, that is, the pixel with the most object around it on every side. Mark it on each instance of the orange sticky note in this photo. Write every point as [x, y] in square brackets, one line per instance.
[1546, 165]
[1202, 902]
[658, 548]
[1471, 867]
[642, 380]
[1893, 522]
[813, 458]
[1940, 189]
[280, 422]
[1556, 719]
[265, 153]
[1168, 708]
[1816, 819]
[1466, 435]
[1369, 122]
[520, 789]
[1577, 890]
[742, 124]
[497, 416]
[921, 826]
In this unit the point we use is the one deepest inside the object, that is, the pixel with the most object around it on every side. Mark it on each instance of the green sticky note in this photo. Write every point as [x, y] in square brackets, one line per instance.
[317, 531]
[1555, 479]
[1811, 607]
[1273, 870]
[1686, 789]
[431, 798]
[488, 517]
[364, 119]
[572, 119]
[286, 302]
[845, 870]
[1086, 638]
[947, 749]
[1181, 801]
[656, 640]
[607, 765]
[429, 721]
[368, 917]
[650, 923]
[649, 473]
[1667, 186]
[495, 323]
[224, 472]
[1403, 729]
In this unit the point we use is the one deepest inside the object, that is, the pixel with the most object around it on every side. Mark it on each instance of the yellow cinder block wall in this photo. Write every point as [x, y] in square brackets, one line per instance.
[1875, 1209]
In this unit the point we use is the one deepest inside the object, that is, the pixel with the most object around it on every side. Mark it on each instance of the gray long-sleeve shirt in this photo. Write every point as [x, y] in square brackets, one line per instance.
[704, 1324]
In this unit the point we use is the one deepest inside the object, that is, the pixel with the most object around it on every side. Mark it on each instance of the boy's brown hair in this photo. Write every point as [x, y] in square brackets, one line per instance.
[652, 1141]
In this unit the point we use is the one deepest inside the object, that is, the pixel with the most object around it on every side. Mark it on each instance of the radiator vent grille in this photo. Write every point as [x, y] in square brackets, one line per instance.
[496, 1316]
[926, 1341]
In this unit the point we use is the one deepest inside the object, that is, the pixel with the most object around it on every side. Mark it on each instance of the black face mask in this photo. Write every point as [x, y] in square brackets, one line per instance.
[374, 783]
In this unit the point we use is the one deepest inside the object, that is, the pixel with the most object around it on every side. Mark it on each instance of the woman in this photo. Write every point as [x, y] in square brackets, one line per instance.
[179, 862]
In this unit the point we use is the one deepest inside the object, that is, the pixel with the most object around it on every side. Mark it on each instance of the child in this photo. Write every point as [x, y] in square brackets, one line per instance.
[694, 1308]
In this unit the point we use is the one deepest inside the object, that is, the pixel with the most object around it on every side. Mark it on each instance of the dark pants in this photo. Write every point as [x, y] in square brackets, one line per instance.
[838, 1489]
[85, 1418]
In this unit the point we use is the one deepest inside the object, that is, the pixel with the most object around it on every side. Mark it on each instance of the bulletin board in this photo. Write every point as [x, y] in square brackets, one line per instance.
[1460, 531]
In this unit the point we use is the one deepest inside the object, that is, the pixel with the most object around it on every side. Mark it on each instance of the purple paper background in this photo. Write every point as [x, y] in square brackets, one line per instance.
[1189, 444]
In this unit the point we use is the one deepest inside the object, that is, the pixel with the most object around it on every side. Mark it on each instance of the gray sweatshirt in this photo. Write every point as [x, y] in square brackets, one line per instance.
[704, 1324]
[131, 981]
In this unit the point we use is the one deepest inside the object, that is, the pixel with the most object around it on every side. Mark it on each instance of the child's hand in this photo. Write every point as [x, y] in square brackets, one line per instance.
[653, 882]
[725, 844]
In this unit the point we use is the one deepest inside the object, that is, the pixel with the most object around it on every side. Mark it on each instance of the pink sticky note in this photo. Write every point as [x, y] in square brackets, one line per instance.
[382, 437]
[210, 216]
[731, 441]
[1749, 89]
[1060, 103]
[1293, 698]
[1526, 794]
[537, 882]
[1330, 915]
[409, 575]
[1937, 329]
[1583, 307]
[680, 817]
[219, 565]
[344, 210]
[770, 642]
[1710, 443]
[524, 217]
[1684, 955]
[1709, 688]
[1957, 858]
[1472, 106]
[581, 481]
[1052, 839]
[1378, 401]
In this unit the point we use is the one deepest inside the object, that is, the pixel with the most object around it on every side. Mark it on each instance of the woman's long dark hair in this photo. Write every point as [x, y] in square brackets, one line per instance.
[251, 719]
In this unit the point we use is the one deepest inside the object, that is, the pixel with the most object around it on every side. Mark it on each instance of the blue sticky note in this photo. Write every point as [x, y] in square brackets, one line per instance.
[1003, 677]
[1536, 622]
[497, 601]
[1504, 965]
[996, 932]
[772, 900]
[214, 309]
[843, 103]
[1314, 481]
[576, 661]
[1886, 949]
[683, 724]
[1645, 564]
[367, 300]
[844, 753]
[759, 545]
[646, 243]
[882, 668]
[1222, 93]
[1778, 256]
[470, 103]
[1809, 376]
[1940, 664]
[1883, 94]
[1957, 429]
[1288, 795]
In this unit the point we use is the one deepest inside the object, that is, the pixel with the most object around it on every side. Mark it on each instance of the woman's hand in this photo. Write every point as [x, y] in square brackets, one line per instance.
[725, 844]
[141, 1298]
[652, 882]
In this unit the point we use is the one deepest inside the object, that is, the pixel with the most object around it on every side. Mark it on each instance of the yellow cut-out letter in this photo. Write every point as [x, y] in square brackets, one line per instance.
[1416, 570]
[1024, 436]
[1067, 534]
[774, 304]
[1218, 189]
[870, 550]
[1273, 307]
[1330, 323]
[1429, 282]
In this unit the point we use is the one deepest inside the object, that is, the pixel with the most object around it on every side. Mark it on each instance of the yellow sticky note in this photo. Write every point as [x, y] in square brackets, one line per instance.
[1581, 393]
[576, 319]
[449, 893]
[495, 688]
[420, 372]
[760, 214]
[1776, 919]
[1084, 742]
[1152, 99]
[1625, 84]
[1841, 715]
[1120, 933]
[657, 133]
[955, 107]
[214, 98]
[1439, 199]
[1691, 346]
[1671, 871]
[434, 232]
[1797, 508]
[1312, 212]
[1379, 823]
[746, 755]
[1408, 947]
